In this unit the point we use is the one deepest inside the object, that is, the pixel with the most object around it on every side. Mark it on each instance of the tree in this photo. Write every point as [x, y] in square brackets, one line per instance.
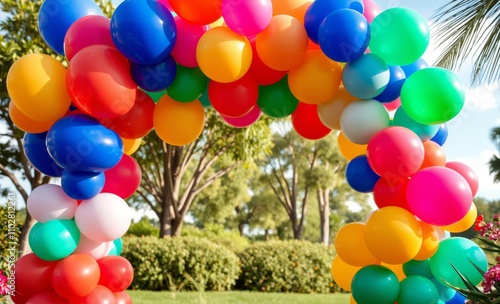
[19, 36]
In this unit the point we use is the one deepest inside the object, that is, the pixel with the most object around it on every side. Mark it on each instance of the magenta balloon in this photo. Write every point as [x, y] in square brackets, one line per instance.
[395, 152]
[439, 196]
[247, 17]
[467, 172]
[244, 121]
[188, 35]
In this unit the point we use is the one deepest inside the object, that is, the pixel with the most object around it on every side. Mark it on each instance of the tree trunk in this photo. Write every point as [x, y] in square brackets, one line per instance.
[324, 215]
[167, 220]
[241, 228]
[177, 227]
[297, 233]
[266, 235]
[297, 230]
[24, 247]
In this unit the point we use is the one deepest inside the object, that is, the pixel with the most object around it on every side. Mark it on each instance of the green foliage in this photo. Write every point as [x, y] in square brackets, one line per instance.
[9, 238]
[287, 266]
[144, 227]
[185, 263]
[216, 233]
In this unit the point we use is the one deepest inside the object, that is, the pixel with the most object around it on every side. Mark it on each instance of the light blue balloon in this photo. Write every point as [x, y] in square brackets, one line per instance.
[366, 77]
[425, 132]
[445, 293]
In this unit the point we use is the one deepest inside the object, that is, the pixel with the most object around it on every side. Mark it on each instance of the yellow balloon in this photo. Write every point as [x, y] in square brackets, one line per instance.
[430, 242]
[330, 111]
[349, 149]
[25, 123]
[178, 123]
[316, 80]
[131, 145]
[294, 8]
[351, 247]
[397, 269]
[219, 22]
[343, 273]
[36, 83]
[223, 55]
[393, 235]
[465, 223]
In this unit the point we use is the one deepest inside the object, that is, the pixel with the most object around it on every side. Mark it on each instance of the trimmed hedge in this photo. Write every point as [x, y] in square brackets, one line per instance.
[180, 263]
[216, 233]
[287, 266]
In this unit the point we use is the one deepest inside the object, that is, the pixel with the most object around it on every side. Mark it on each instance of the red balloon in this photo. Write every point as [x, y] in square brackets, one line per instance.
[33, 276]
[263, 74]
[99, 82]
[116, 273]
[47, 297]
[395, 152]
[100, 295]
[17, 298]
[87, 31]
[433, 155]
[391, 193]
[137, 122]
[122, 298]
[306, 122]
[467, 172]
[124, 178]
[75, 276]
[234, 99]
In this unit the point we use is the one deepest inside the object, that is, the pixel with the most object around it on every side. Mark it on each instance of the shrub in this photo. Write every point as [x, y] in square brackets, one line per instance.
[144, 227]
[287, 266]
[180, 263]
[217, 234]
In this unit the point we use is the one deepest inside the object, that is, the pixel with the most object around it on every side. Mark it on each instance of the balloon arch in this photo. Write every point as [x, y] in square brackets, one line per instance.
[340, 65]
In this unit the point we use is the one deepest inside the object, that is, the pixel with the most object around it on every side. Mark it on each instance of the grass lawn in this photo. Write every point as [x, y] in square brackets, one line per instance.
[235, 297]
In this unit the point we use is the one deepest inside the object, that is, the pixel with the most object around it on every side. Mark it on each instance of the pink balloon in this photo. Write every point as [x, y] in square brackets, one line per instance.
[188, 35]
[395, 152]
[393, 105]
[467, 172]
[439, 196]
[244, 121]
[371, 10]
[166, 4]
[247, 17]
[97, 250]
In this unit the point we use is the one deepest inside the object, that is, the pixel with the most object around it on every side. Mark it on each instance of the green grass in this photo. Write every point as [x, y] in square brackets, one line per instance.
[235, 297]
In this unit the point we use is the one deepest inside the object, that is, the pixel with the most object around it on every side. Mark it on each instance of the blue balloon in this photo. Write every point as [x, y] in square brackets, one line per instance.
[425, 132]
[37, 154]
[445, 293]
[56, 16]
[393, 89]
[366, 77]
[360, 175]
[457, 299]
[82, 185]
[154, 77]
[441, 135]
[144, 31]
[413, 67]
[79, 142]
[319, 9]
[344, 35]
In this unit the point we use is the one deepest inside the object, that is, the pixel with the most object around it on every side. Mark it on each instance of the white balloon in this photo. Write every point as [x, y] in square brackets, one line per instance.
[103, 218]
[95, 249]
[361, 119]
[49, 202]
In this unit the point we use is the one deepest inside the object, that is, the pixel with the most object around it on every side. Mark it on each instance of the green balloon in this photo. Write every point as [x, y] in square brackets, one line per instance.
[375, 284]
[432, 96]
[189, 84]
[54, 240]
[463, 254]
[156, 95]
[417, 290]
[276, 100]
[421, 268]
[205, 102]
[399, 35]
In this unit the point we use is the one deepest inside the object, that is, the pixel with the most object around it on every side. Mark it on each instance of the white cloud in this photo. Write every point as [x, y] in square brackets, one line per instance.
[482, 98]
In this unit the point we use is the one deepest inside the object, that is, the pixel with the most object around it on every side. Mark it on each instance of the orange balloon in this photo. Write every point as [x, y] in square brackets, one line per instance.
[433, 155]
[294, 8]
[198, 11]
[223, 55]
[397, 269]
[25, 123]
[330, 111]
[465, 223]
[351, 247]
[178, 123]
[282, 46]
[131, 145]
[316, 80]
[351, 300]
[342, 273]
[349, 149]
[430, 242]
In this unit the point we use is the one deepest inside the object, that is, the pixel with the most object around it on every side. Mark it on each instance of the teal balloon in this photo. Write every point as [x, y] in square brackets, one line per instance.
[117, 246]
[463, 254]
[189, 84]
[432, 96]
[205, 101]
[421, 268]
[424, 132]
[417, 290]
[375, 284]
[276, 100]
[54, 240]
[399, 35]
[156, 95]
[445, 293]
[366, 77]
